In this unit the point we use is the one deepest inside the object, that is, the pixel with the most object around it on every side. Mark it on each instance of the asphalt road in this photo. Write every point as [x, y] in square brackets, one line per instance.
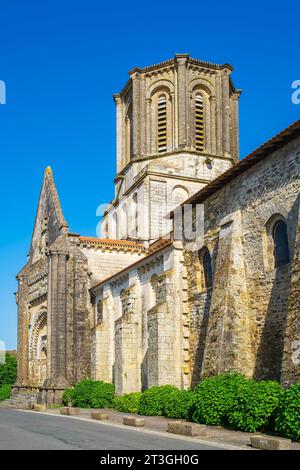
[21, 430]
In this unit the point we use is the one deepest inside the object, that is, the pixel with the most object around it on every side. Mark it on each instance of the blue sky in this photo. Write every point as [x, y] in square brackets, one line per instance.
[62, 61]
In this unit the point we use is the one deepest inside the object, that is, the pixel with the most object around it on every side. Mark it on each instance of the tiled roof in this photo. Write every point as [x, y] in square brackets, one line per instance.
[110, 243]
[153, 248]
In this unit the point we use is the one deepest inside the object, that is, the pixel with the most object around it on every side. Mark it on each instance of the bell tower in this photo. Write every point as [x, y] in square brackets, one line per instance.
[177, 129]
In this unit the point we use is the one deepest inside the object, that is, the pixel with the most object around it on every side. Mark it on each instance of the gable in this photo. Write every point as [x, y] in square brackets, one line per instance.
[49, 222]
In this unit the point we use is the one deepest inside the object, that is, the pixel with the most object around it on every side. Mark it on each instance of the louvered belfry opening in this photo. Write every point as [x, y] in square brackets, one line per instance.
[199, 123]
[162, 124]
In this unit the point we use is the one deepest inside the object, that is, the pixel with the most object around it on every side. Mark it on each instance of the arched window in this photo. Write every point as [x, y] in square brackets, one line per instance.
[135, 215]
[281, 244]
[116, 226]
[206, 268]
[129, 134]
[124, 224]
[162, 124]
[199, 122]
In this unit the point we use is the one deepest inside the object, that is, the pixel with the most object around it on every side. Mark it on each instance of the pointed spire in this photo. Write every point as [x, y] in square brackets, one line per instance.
[49, 208]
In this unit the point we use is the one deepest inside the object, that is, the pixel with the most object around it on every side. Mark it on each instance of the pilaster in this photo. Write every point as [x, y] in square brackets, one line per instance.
[181, 60]
[22, 370]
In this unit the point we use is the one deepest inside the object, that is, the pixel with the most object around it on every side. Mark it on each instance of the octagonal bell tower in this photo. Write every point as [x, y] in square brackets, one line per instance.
[176, 120]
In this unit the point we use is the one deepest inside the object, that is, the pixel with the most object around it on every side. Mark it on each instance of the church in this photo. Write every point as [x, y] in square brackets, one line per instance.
[144, 304]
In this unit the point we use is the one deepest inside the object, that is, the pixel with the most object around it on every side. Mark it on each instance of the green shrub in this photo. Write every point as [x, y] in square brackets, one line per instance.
[214, 397]
[153, 401]
[5, 392]
[8, 370]
[287, 420]
[92, 394]
[254, 405]
[128, 403]
[180, 404]
[67, 396]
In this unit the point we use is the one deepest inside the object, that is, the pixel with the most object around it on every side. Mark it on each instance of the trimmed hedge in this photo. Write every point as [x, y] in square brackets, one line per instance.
[287, 422]
[128, 403]
[90, 394]
[214, 397]
[8, 370]
[254, 405]
[5, 392]
[229, 400]
[153, 401]
[67, 396]
[180, 404]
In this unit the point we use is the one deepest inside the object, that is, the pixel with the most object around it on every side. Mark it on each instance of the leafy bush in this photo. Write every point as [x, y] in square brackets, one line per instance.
[8, 370]
[128, 403]
[5, 392]
[254, 406]
[214, 397]
[180, 404]
[287, 421]
[67, 396]
[91, 394]
[153, 401]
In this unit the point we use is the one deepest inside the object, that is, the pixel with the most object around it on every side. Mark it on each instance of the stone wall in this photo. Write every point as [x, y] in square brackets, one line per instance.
[144, 325]
[248, 321]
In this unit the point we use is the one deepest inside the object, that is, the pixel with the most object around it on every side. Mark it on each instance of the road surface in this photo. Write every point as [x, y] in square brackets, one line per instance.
[21, 430]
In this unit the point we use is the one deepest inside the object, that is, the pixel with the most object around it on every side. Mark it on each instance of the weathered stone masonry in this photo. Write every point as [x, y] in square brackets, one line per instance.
[139, 308]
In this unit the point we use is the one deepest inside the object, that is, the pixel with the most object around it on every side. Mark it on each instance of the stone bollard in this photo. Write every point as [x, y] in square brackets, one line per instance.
[69, 411]
[270, 443]
[100, 415]
[38, 407]
[187, 429]
[130, 421]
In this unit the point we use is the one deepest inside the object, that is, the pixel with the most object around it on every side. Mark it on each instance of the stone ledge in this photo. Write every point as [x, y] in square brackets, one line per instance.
[270, 443]
[130, 421]
[186, 429]
[100, 415]
[69, 411]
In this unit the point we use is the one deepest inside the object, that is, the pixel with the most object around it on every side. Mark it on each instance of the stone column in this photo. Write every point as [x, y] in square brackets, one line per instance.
[213, 136]
[148, 126]
[235, 126]
[182, 99]
[225, 113]
[119, 132]
[103, 336]
[164, 349]
[22, 377]
[143, 119]
[136, 113]
[58, 299]
[128, 345]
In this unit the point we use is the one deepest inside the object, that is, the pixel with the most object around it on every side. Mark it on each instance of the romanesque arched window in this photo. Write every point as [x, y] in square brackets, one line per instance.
[199, 122]
[281, 244]
[206, 268]
[135, 216]
[162, 124]
[129, 133]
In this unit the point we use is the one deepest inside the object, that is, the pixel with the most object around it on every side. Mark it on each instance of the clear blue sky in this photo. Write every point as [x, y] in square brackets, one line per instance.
[63, 60]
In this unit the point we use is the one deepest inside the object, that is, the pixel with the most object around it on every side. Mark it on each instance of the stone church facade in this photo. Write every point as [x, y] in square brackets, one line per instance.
[140, 306]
